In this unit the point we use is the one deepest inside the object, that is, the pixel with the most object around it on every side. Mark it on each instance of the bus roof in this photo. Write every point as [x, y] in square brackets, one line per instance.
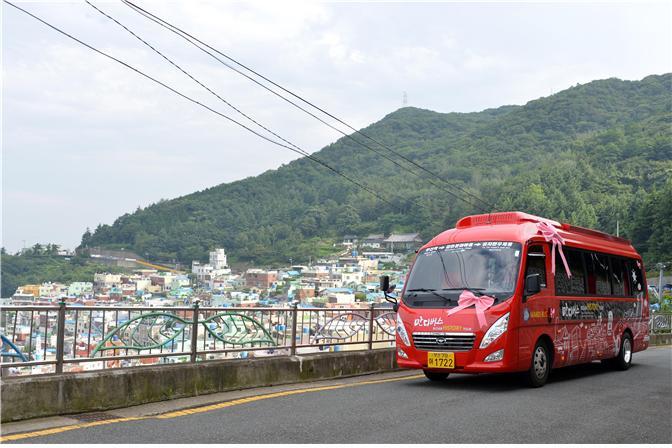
[521, 227]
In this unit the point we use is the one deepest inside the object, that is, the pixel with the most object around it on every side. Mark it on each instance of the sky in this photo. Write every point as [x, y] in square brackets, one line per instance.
[85, 140]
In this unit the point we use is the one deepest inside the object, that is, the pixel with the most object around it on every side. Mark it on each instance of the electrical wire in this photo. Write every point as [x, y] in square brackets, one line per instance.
[195, 42]
[174, 64]
[186, 36]
[314, 159]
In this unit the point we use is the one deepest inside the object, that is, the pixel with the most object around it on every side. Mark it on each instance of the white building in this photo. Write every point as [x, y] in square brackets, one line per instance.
[106, 280]
[217, 268]
[53, 290]
[350, 276]
[77, 289]
[218, 259]
[201, 271]
[339, 296]
[180, 281]
[142, 284]
[374, 241]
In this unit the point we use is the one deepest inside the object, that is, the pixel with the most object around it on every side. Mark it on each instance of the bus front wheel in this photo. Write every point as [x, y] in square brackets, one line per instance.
[541, 365]
[435, 376]
[624, 359]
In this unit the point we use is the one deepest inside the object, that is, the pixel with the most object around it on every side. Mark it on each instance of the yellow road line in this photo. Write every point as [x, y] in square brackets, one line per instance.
[227, 404]
[46, 432]
[200, 409]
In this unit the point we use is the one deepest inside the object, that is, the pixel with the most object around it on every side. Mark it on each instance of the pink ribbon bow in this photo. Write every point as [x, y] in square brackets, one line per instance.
[481, 303]
[550, 234]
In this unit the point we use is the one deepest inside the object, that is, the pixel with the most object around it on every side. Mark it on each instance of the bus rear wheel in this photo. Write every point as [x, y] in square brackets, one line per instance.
[541, 365]
[435, 376]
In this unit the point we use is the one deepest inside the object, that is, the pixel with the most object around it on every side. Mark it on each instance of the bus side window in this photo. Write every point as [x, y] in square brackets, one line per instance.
[636, 278]
[619, 277]
[536, 263]
[597, 267]
[576, 284]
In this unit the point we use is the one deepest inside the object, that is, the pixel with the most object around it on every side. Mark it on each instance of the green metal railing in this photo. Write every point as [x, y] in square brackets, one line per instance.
[70, 338]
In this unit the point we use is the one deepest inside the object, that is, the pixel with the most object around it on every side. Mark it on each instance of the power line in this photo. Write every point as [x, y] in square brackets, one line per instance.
[192, 40]
[195, 42]
[174, 64]
[316, 160]
[178, 32]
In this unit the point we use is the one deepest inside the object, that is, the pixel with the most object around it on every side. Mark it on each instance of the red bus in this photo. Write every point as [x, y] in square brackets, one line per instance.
[513, 292]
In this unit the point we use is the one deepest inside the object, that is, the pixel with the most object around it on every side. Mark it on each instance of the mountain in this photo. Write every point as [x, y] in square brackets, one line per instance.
[590, 155]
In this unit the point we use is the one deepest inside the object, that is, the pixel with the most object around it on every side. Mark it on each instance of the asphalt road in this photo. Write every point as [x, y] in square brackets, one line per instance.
[581, 404]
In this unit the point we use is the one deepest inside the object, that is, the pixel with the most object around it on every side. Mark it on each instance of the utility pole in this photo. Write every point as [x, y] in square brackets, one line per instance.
[405, 100]
[661, 267]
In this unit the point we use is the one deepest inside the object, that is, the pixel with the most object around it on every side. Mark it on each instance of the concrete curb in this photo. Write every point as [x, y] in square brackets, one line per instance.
[31, 397]
[181, 404]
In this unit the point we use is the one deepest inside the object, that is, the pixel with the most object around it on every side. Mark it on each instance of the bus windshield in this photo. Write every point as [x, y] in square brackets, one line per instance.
[441, 273]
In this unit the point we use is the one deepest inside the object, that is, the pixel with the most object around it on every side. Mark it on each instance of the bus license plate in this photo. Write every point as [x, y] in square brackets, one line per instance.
[445, 360]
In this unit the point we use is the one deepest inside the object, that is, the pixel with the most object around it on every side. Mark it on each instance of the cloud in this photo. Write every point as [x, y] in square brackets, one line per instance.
[73, 118]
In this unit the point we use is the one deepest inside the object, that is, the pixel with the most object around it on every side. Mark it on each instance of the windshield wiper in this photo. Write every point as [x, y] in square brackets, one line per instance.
[433, 291]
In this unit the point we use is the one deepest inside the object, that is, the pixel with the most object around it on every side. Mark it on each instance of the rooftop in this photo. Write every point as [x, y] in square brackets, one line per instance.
[521, 227]
[403, 238]
[375, 237]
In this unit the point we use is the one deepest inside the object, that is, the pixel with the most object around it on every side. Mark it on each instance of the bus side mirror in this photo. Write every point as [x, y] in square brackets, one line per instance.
[532, 285]
[386, 288]
[385, 284]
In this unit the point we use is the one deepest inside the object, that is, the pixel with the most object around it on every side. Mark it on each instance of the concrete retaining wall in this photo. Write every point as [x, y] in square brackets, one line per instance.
[660, 339]
[30, 397]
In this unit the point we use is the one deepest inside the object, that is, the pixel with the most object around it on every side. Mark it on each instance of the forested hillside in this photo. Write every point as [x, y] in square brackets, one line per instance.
[590, 155]
[35, 267]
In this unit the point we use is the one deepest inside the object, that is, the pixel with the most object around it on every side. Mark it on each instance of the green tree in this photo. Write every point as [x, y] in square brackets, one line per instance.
[591, 155]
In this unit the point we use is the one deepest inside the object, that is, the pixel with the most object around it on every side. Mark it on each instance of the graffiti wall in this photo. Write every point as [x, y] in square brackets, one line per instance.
[591, 329]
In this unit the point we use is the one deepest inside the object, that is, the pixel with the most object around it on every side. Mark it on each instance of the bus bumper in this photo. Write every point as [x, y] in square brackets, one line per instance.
[472, 361]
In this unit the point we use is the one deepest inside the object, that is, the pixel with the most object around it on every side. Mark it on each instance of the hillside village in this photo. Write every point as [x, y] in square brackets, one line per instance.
[348, 279]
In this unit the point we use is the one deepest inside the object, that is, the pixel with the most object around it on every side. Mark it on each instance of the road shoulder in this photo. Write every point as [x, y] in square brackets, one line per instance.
[180, 404]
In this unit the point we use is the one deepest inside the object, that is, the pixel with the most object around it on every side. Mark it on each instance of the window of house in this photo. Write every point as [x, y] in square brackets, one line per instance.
[536, 263]
[597, 268]
[576, 284]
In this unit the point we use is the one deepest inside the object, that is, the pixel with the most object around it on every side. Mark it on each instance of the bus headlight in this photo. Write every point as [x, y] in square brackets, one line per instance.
[401, 331]
[495, 331]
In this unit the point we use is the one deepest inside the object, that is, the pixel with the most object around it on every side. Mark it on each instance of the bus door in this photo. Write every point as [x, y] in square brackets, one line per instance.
[537, 314]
